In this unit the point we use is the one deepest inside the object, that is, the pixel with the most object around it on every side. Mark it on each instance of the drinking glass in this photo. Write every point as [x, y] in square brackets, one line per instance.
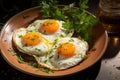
[109, 15]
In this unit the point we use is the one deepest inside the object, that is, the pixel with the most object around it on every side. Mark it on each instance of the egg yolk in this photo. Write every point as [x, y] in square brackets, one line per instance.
[50, 26]
[66, 50]
[31, 38]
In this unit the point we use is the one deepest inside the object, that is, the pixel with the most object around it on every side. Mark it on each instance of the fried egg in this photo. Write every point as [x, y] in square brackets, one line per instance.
[51, 29]
[31, 43]
[68, 52]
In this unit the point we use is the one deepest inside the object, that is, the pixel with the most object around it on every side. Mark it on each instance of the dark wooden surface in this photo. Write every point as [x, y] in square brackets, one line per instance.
[95, 72]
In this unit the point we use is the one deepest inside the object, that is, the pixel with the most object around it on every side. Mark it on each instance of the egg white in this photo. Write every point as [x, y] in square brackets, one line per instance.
[61, 62]
[39, 49]
[61, 32]
[44, 61]
[54, 61]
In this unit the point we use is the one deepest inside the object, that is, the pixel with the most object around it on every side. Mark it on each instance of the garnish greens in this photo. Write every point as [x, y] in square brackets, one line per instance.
[24, 58]
[75, 18]
[46, 70]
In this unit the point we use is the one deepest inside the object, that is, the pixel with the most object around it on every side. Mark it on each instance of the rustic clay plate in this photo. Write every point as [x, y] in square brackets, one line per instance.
[22, 20]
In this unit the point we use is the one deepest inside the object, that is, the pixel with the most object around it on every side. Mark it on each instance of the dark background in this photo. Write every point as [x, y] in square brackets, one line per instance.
[8, 8]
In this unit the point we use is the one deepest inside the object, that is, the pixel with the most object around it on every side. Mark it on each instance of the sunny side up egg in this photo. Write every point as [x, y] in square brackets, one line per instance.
[66, 53]
[50, 29]
[31, 43]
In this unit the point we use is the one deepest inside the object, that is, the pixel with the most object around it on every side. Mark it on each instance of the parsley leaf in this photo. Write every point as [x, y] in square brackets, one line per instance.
[75, 18]
[83, 4]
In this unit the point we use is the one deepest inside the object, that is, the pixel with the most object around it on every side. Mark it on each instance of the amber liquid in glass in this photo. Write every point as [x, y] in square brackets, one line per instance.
[109, 15]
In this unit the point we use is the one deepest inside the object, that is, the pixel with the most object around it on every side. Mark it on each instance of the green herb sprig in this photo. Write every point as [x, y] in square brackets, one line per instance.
[76, 19]
[49, 9]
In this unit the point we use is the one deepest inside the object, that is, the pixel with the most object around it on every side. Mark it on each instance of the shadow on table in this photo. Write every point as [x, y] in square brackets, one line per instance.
[113, 47]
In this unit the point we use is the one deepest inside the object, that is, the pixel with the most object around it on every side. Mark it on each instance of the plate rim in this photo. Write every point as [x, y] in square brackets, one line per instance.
[3, 54]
